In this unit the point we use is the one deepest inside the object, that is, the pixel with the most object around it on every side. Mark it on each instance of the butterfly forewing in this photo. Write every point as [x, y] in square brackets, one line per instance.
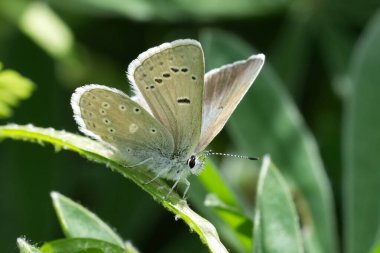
[224, 88]
[111, 116]
[170, 78]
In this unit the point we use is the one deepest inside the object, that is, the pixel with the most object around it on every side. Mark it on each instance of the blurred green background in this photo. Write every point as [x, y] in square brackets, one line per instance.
[322, 56]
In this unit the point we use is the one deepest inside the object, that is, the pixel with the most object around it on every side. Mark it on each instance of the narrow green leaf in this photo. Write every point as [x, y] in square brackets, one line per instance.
[97, 152]
[41, 24]
[85, 245]
[227, 207]
[177, 9]
[336, 45]
[130, 248]
[25, 247]
[291, 51]
[267, 121]
[276, 221]
[13, 88]
[77, 221]
[361, 143]
[376, 248]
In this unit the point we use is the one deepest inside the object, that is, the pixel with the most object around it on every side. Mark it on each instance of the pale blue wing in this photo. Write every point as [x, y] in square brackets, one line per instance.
[110, 116]
[224, 89]
[170, 78]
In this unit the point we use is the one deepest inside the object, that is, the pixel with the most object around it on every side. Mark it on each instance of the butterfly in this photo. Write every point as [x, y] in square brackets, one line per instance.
[176, 110]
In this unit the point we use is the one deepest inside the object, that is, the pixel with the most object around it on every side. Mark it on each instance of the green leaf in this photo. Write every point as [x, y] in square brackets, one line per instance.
[376, 248]
[38, 21]
[130, 248]
[267, 121]
[46, 29]
[361, 143]
[81, 245]
[13, 88]
[293, 42]
[97, 152]
[237, 225]
[77, 221]
[25, 247]
[177, 9]
[276, 221]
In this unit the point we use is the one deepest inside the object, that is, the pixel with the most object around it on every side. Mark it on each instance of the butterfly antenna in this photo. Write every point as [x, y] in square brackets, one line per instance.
[231, 155]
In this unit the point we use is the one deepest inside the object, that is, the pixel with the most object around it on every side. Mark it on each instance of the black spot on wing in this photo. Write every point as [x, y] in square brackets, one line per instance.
[183, 101]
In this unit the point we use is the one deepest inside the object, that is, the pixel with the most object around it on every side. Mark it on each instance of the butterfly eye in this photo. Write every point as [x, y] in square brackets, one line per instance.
[191, 161]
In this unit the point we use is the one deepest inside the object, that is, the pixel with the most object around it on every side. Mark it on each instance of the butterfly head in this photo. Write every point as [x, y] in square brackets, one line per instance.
[195, 164]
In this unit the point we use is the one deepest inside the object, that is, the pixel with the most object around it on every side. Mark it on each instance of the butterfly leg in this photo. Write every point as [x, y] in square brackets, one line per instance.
[156, 176]
[187, 188]
[139, 163]
[174, 185]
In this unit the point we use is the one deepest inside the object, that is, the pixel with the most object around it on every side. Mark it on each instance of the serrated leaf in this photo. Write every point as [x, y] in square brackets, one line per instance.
[85, 245]
[267, 121]
[276, 222]
[13, 88]
[25, 247]
[77, 221]
[361, 143]
[97, 152]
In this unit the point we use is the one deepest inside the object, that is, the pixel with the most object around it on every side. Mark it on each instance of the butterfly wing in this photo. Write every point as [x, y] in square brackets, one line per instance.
[170, 79]
[224, 89]
[110, 116]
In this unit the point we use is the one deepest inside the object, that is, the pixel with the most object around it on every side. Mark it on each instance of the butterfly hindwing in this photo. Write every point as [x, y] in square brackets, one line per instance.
[111, 116]
[170, 78]
[224, 89]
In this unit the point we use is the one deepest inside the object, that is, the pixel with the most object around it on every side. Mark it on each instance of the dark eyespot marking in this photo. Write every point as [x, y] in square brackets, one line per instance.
[166, 75]
[105, 105]
[184, 70]
[136, 110]
[152, 87]
[106, 121]
[175, 70]
[191, 161]
[183, 101]
[102, 112]
[194, 78]
[158, 80]
[153, 130]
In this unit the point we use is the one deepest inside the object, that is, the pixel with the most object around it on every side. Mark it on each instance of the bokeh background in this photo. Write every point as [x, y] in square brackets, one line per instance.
[323, 56]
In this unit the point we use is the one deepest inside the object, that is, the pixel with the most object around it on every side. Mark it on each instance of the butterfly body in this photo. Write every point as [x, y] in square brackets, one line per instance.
[175, 113]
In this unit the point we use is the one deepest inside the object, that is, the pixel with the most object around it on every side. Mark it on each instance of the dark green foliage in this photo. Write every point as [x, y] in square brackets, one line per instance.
[313, 110]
